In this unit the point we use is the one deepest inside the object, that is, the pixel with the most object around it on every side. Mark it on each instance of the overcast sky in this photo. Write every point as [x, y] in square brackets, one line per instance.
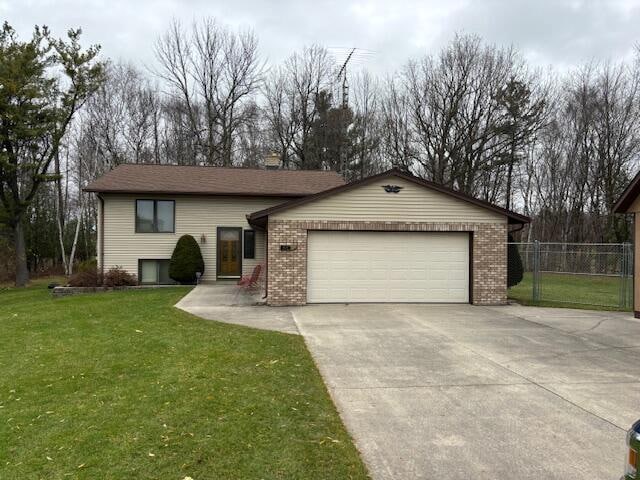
[548, 32]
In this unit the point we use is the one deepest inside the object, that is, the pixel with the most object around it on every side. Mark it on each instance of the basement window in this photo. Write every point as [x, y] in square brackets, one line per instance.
[154, 272]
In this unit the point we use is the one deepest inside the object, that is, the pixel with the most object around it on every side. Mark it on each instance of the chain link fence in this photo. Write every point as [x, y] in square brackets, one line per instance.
[598, 274]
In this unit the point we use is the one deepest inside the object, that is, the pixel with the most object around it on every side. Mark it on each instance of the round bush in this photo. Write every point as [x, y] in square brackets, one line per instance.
[186, 260]
[514, 264]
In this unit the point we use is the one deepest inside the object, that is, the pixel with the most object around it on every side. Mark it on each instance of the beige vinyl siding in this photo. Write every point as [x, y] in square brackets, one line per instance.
[194, 215]
[414, 203]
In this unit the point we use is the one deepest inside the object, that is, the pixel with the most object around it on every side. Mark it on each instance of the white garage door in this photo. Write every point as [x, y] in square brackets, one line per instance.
[387, 267]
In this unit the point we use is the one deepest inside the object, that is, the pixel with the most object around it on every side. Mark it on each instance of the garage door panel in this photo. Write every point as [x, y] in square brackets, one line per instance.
[457, 274]
[388, 267]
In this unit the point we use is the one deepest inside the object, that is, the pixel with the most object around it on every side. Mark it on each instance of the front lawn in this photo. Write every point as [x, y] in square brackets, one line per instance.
[123, 385]
[598, 292]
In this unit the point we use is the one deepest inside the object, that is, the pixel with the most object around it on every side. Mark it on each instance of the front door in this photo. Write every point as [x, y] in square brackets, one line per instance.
[229, 252]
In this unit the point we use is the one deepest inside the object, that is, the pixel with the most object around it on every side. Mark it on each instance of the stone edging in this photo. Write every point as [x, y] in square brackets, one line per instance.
[67, 291]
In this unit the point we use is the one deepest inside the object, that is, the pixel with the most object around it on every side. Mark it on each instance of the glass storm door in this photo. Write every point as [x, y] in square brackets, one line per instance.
[229, 252]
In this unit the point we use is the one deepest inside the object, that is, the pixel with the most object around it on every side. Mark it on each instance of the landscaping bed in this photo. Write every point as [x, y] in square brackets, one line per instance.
[66, 290]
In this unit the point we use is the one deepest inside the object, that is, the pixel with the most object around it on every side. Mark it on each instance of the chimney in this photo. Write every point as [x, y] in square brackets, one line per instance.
[272, 161]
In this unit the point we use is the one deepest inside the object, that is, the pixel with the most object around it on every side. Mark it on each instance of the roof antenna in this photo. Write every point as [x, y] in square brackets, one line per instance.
[343, 73]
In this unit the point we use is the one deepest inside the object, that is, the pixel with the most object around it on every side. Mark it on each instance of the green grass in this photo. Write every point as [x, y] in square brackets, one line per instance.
[571, 291]
[123, 385]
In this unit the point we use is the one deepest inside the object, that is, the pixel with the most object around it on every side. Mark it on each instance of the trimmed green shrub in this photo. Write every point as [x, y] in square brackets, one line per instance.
[186, 260]
[119, 277]
[515, 271]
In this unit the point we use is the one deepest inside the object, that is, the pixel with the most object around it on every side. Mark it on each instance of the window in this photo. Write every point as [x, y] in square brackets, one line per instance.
[155, 216]
[249, 244]
[154, 272]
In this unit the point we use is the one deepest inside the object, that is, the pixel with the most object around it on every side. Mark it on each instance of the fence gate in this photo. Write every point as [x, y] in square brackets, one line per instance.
[598, 274]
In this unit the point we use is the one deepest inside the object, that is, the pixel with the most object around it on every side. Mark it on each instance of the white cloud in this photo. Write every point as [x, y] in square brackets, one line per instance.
[559, 32]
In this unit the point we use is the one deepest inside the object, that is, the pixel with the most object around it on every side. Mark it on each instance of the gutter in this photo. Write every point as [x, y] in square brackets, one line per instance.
[517, 229]
[100, 238]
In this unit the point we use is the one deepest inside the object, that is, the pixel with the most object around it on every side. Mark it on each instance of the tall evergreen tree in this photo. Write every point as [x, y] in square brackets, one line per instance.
[43, 83]
[521, 116]
[329, 142]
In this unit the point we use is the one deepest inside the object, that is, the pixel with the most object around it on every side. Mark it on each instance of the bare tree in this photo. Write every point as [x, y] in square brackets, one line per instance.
[454, 113]
[214, 72]
[397, 137]
[365, 131]
[291, 93]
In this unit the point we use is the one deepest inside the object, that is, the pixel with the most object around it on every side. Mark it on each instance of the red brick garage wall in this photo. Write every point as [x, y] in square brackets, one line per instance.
[287, 270]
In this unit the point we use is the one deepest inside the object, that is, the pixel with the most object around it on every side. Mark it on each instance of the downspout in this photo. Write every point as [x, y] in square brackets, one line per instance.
[100, 238]
[266, 262]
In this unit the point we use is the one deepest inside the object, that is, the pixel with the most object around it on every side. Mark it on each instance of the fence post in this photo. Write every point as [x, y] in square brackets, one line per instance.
[631, 272]
[536, 271]
[623, 275]
[626, 300]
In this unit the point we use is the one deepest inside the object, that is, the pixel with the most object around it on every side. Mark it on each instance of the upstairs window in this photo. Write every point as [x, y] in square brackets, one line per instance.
[155, 216]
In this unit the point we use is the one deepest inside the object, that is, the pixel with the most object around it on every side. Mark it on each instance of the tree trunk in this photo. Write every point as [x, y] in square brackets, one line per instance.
[72, 255]
[60, 213]
[22, 272]
[63, 252]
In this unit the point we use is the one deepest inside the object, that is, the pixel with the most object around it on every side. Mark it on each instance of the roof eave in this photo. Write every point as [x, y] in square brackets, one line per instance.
[212, 194]
[259, 223]
[628, 196]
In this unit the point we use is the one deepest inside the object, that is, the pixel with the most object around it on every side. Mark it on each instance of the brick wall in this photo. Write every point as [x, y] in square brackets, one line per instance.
[287, 270]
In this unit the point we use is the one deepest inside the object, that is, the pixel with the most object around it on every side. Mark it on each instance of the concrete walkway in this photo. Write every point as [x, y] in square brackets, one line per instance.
[461, 392]
[221, 302]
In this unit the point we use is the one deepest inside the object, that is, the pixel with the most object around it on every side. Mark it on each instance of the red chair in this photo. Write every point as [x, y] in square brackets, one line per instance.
[250, 283]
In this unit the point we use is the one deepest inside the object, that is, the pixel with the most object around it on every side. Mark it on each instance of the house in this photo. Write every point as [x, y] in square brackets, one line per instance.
[630, 203]
[390, 237]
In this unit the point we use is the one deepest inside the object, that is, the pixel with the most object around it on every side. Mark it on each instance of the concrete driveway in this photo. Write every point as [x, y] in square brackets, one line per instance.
[464, 392]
